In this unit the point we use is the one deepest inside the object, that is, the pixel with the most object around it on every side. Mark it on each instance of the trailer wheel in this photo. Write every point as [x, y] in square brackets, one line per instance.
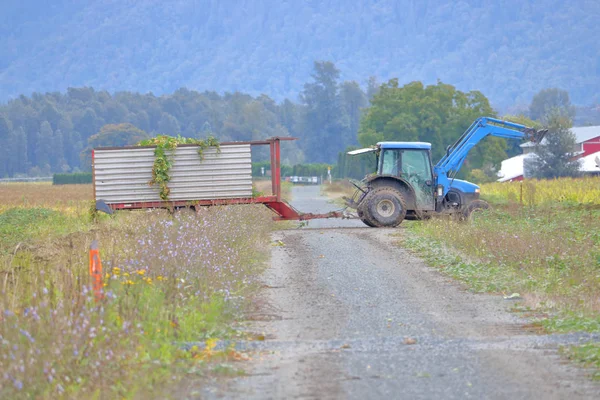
[386, 207]
[474, 207]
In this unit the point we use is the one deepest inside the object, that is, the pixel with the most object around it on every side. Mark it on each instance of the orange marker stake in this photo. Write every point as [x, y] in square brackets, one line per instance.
[96, 271]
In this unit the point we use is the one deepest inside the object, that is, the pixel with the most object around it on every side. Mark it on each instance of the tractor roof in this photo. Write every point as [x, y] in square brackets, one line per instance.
[405, 145]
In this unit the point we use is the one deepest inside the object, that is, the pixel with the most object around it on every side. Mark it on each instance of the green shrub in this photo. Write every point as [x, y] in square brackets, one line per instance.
[78, 178]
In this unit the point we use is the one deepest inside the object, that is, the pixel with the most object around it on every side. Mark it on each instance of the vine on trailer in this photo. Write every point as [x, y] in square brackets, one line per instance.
[163, 157]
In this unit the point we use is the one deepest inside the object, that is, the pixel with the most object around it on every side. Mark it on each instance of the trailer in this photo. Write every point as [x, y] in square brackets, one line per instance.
[121, 177]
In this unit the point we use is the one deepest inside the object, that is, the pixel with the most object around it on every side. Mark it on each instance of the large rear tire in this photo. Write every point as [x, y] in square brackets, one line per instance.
[474, 207]
[385, 207]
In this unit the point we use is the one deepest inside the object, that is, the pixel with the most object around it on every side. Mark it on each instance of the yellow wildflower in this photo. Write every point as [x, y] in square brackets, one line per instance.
[211, 344]
[140, 271]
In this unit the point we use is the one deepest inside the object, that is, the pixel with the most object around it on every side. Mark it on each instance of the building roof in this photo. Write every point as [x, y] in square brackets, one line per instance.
[582, 134]
[405, 145]
[513, 167]
[590, 163]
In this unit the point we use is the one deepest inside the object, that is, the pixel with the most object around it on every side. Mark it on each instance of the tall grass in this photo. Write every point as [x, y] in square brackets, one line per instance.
[550, 255]
[168, 280]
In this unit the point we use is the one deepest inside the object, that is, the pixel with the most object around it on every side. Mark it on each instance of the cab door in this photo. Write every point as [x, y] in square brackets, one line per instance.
[414, 166]
[416, 169]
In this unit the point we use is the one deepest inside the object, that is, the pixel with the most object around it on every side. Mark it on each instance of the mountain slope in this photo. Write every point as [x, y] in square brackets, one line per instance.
[508, 49]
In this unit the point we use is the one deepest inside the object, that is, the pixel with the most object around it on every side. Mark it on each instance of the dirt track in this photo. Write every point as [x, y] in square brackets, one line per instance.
[349, 314]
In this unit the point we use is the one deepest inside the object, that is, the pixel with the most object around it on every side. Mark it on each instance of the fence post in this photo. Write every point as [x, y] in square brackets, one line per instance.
[521, 192]
[96, 271]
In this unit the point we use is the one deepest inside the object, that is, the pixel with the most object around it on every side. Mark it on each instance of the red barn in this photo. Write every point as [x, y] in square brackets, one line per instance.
[588, 144]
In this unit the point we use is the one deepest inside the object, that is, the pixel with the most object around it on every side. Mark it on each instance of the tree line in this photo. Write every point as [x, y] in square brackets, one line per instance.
[53, 132]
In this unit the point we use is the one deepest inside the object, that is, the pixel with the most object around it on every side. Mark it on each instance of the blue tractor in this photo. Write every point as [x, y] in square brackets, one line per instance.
[407, 185]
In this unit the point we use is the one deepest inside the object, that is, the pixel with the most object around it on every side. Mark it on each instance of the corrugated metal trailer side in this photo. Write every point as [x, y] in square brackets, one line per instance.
[122, 175]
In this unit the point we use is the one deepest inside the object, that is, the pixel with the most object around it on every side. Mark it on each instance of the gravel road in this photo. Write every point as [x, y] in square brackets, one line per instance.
[349, 314]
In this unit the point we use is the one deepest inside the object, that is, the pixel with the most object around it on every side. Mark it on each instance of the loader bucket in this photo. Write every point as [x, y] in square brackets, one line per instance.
[534, 135]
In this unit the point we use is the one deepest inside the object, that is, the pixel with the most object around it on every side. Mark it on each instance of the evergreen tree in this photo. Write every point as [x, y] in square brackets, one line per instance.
[555, 155]
[353, 100]
[43, 146]
[5, 131]
[321, 123]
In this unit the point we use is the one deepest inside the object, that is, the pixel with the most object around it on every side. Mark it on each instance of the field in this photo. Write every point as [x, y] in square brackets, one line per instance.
[167, 280]
[67, 198]
[535, 193]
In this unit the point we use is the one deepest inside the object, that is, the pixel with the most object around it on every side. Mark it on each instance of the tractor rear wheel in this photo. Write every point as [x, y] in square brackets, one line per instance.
[385, 207]
[474, 207]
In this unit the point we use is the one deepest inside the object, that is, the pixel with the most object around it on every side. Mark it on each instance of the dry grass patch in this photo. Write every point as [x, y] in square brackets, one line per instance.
[263, 187]
[73, 198]
[338, 189]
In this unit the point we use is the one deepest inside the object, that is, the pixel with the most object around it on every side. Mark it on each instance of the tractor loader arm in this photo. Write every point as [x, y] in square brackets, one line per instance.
[447, 168]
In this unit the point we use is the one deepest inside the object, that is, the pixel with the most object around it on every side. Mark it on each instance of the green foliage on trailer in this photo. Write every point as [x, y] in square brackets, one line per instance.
[163, 161]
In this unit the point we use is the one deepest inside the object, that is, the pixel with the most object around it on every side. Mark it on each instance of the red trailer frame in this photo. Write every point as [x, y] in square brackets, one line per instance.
[282, 209]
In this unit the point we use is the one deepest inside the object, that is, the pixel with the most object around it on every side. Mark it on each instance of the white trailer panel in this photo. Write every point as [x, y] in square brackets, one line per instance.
[122, 175]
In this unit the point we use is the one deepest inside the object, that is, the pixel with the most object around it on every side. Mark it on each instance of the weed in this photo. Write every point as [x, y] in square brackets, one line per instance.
[163, 161]
[586, 354]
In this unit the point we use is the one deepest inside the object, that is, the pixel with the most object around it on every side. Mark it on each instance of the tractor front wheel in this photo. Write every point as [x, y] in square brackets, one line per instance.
[385, 207]
[474, 207]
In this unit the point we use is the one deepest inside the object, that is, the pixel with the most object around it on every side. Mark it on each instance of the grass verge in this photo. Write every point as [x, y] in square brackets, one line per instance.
[548, 254]
[167, 280]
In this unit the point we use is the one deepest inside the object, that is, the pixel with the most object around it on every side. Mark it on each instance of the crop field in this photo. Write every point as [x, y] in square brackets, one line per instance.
[167, 280]
[67, 198]
[534, 193]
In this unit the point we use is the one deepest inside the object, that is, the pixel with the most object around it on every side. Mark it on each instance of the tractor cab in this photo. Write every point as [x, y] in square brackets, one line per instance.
[411, 162]
[406, 168]
[405, 159]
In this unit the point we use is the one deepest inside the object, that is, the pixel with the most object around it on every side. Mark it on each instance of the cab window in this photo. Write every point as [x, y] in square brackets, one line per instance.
[408, 163]
[391, 162]
[415, 163]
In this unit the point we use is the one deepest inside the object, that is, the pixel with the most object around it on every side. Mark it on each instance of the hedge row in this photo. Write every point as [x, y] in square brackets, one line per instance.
[72, 179]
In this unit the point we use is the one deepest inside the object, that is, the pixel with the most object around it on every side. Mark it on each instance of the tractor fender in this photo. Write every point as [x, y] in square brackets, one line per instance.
[460, 197]
[400, 184]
